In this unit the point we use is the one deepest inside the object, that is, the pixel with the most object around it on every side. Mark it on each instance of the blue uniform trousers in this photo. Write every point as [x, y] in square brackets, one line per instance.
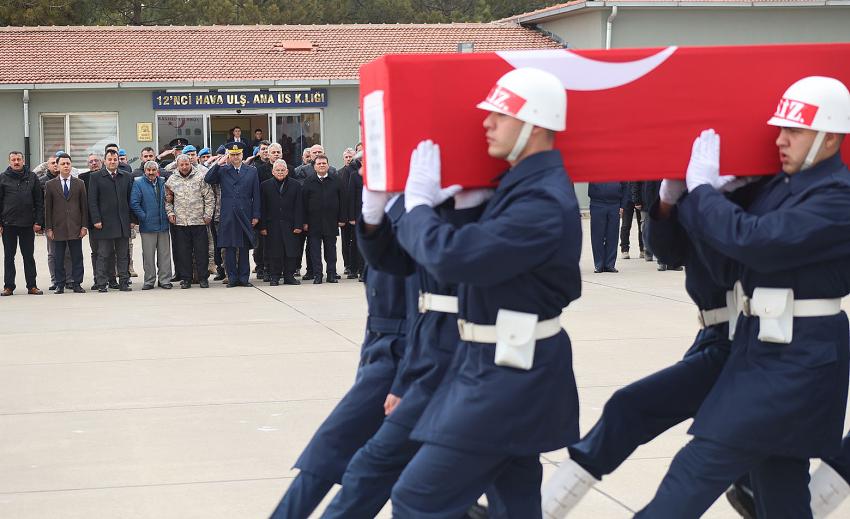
[303, 496]
[703, 469]
[443, 482]
[639, 412]
[373, 471]
[241, 272]
[604, 224]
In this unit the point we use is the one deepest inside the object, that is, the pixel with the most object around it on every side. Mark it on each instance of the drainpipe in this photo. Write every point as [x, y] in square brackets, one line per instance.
[26, 127]
[609, 26]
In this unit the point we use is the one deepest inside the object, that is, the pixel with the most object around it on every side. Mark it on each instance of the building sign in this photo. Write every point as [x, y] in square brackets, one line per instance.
[312, 98]
[144, 132]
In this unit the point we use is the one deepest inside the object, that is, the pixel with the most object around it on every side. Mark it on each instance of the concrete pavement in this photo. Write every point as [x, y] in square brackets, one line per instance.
[195, 403]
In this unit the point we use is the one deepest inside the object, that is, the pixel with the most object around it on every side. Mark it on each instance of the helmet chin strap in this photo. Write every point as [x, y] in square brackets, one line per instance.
[813, 151]
[521, 141]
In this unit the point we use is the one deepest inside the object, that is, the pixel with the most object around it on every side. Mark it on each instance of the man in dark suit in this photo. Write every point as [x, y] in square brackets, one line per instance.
[109, 209]
[66, 214]
[355, 206]
[323, 205]
[240, 212]
[282, 223]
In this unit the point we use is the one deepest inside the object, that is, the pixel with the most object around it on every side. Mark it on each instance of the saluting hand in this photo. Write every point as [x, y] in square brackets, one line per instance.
[98, 225]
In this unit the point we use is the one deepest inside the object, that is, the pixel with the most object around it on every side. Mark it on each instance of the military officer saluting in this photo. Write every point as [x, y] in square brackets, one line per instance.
[240, 211]
[781, 396]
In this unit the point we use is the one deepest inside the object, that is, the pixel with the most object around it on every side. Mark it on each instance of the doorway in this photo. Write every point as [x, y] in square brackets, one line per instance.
[295, 132]
[220, 126]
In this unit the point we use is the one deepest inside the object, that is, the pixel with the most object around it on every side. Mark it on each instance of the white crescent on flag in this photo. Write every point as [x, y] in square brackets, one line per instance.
[580, 73]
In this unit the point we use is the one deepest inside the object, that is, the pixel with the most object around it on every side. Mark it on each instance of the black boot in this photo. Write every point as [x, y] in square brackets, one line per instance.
[219, 274]
[290, 280]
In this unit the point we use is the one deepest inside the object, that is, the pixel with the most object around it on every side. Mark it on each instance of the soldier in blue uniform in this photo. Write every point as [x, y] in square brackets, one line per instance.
[607, 200]
[641, 411]
[392, 304]
[240, 211]
[373, 471]
[780, 399]
[516, 269]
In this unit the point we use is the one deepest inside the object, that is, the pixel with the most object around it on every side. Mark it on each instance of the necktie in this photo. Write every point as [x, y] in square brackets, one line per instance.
[65, 188]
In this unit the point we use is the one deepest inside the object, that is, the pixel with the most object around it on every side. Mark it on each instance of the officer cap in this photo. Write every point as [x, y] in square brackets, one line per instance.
[220, 150]
[234, 147]
[179, 142]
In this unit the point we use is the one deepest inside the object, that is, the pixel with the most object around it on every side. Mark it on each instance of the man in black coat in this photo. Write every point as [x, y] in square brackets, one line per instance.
[263, 162]
[21, 216]
[109, 211]
[354, 207]
[281, 224]
[323, 206]
[347, 232]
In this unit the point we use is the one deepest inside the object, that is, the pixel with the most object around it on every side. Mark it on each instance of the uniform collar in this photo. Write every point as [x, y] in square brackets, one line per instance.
[816, 174]
[529, 166]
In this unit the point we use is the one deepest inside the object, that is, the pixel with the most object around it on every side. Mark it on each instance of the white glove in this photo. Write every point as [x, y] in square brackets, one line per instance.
[671, 190]
[423, 181]
[374, 203]
[467, 199]
[704, 167]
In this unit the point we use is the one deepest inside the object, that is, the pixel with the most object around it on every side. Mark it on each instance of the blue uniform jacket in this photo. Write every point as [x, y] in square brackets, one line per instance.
[522, 254]
[782, 399]
[614, 194]
[433, 335]
[240, 203]
[149, 210]
[361, 411]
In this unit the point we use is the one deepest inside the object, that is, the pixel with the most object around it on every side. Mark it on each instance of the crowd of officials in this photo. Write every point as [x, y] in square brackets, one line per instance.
[203, 210]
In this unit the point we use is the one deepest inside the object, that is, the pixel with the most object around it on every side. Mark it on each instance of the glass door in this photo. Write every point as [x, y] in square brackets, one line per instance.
[295, 132]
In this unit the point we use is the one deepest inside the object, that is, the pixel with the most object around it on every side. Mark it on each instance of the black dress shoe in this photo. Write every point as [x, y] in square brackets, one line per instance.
[333, 279]
[79, 290]
[113, 285]
[245, 284]
[204, 283]
[125, 287]
[291, 281]
[274, 283]
[662, 267]
[611, 269]
[147, 287]
[308, 277]
[597, 270]
[103, 290]
[231, 285]
[167, 286]
[219, 274]
[351, 276]
[675, 268]
[317, 280]
[185, 284]
[52, 287]
[60, 290]
[741, 500]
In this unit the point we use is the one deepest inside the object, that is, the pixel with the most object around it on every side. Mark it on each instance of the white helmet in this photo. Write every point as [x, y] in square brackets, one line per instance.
[817, 103]
[531, 95]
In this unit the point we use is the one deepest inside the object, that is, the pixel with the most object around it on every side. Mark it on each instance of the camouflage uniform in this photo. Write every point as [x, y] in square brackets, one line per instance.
[193, 198]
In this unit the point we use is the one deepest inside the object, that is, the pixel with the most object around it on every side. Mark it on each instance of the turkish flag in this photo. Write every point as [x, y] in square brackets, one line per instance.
[632, 114]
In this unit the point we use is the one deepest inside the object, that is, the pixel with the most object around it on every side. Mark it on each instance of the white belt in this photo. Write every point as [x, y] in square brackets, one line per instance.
[436, 303]
[486, 333]
[802, 308]
[712, 317]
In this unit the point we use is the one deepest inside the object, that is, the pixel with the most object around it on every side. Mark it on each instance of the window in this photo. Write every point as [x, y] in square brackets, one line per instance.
[78, 134]
[169, 127]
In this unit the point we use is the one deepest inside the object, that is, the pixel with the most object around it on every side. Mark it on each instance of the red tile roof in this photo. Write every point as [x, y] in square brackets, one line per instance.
[551, 10]
[50, 55]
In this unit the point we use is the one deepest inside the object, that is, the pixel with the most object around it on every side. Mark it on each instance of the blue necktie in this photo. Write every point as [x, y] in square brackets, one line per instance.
[65, 189]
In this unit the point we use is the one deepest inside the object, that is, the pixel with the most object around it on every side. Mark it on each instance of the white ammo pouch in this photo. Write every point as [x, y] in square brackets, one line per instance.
[515, 335]
[776, 309]
[437, 303]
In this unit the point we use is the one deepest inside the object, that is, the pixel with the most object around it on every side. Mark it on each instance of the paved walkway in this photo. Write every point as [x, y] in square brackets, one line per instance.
[195, 403]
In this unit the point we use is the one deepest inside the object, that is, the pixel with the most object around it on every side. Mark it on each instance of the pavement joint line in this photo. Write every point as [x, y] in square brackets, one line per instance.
[687, 302]
[174, 406]
[188, 357]
[323, 325]
[116, 487]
